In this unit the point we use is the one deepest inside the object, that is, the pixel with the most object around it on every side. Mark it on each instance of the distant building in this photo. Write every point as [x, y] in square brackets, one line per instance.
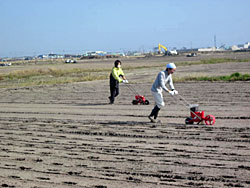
[246, 45]
[234, 48]
[28, 58]
[212, 49]
[240, 46]
[116, 54]
[42, 56]
[72, 56]
[95, 53]
[50, 56]
[55, 56]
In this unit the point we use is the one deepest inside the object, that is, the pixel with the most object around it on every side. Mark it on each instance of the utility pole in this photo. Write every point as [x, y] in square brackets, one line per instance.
[215, 41]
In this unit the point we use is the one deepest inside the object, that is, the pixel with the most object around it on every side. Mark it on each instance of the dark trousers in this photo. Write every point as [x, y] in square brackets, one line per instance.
[114, 92]
[155, 112]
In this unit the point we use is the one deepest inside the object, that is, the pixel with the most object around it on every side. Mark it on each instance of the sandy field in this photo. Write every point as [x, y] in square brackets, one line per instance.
[68, 136]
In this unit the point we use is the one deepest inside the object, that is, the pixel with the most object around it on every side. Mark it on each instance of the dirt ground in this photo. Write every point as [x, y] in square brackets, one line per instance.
[68, 136]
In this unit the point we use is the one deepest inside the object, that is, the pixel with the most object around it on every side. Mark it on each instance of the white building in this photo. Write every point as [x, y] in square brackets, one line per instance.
[207, 49]
[234, 48]
[240, 46]
[246, 45]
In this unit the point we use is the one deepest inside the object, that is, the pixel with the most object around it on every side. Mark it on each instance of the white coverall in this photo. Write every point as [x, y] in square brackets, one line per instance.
[159, 85]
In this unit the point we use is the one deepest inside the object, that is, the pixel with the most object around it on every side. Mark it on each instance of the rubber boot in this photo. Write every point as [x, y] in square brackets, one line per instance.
[154, 113]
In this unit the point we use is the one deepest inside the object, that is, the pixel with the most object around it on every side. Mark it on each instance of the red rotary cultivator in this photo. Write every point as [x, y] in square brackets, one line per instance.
[199, 116]
[196, 116]
[139, 99]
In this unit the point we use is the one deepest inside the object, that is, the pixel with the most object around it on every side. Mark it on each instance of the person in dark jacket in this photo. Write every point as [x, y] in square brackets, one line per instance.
[116, 77]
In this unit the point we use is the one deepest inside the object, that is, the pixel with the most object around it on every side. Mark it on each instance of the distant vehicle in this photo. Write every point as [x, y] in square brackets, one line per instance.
[160, 46]
[5, 64]
[70, 61]
[173, 52]
[192, 55]
[167, 52]
[28, 58]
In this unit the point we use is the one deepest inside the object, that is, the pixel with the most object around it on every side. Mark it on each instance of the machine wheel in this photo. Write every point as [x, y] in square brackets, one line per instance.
[210, 120]
[189, 121]
[134, 102]
[146, 102]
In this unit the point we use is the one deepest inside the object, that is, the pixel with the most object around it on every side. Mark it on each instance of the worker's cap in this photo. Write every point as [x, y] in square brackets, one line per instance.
[171, 66]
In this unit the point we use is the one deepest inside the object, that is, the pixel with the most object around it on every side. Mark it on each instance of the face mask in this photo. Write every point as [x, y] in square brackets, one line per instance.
[118, 66]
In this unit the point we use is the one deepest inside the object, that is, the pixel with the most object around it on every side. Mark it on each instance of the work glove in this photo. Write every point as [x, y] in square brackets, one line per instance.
[125, 81]
[174, 92]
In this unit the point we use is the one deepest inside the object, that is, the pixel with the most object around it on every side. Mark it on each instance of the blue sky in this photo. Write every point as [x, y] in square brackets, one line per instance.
[33, 27]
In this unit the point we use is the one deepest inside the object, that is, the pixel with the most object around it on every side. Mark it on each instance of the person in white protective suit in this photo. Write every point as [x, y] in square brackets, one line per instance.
[163, 78]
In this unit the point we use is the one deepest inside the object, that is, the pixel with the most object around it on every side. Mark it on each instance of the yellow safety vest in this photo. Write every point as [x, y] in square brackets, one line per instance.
[116, 72]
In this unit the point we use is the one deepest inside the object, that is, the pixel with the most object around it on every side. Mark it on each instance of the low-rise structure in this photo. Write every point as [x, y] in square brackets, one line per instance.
[240, 47]
[212, 49]
[246, 45]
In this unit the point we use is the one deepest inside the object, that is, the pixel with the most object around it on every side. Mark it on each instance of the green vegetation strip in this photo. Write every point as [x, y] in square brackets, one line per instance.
[233, 77]
[52, 76]
[26, 74]
[188, 63]
[215, 61]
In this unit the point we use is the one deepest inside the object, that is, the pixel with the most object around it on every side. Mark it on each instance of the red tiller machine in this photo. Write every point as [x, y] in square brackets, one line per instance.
[139, 99]
[196, 115]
